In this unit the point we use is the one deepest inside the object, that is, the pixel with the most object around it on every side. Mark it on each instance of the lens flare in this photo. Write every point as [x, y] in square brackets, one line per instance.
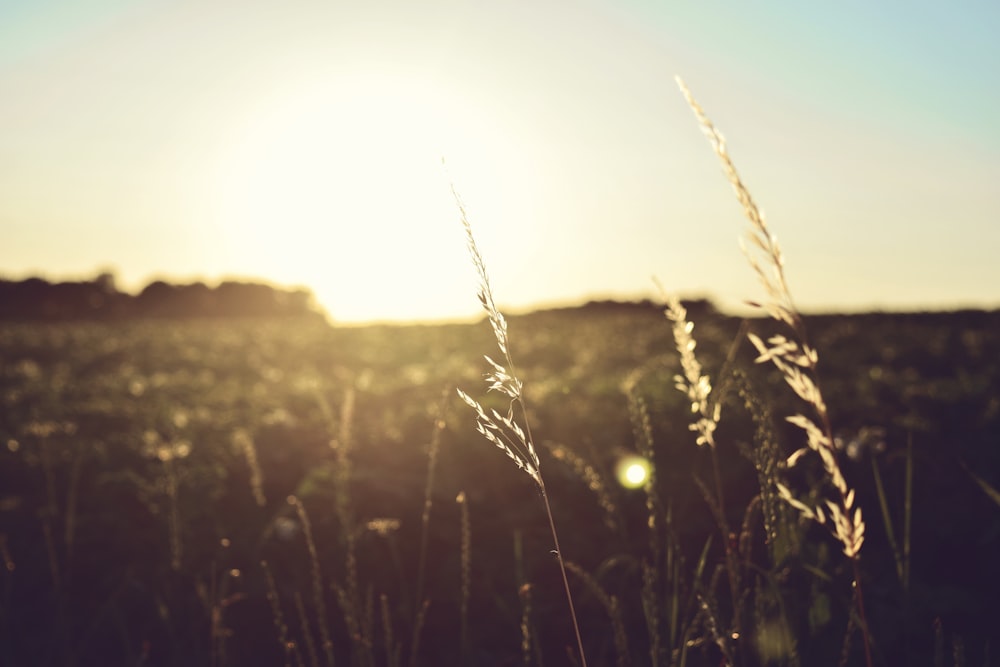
[632, 472]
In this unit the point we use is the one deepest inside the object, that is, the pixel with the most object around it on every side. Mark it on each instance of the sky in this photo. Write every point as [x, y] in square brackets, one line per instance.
[302, 143]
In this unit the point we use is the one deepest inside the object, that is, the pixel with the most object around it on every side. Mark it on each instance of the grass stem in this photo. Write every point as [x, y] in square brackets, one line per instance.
[505, 431]
[565, 579]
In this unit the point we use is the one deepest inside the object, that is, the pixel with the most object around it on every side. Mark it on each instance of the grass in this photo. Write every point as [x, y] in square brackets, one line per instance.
[120, 593]
[797, 361]
[505, 431]
[284, 493]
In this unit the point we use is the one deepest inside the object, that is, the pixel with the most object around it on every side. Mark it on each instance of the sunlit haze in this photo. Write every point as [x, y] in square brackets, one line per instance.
[302, 143]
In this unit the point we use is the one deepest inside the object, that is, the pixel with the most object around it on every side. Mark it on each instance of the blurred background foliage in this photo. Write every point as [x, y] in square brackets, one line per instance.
[145, 467]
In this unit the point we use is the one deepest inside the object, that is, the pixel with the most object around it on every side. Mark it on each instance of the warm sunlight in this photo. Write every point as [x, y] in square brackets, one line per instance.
[339, 186]
[632, 472]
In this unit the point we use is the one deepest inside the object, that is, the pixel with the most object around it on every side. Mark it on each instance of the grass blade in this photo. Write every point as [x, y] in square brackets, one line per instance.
[991, 492]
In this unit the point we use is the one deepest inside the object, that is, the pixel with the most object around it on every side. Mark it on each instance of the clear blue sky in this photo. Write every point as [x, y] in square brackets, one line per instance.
[301, 143]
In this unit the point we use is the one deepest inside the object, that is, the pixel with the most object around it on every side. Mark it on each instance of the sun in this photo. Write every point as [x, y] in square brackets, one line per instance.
[339, 186]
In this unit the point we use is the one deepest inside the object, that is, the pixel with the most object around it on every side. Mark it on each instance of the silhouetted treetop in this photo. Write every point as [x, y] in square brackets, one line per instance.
[35, 299]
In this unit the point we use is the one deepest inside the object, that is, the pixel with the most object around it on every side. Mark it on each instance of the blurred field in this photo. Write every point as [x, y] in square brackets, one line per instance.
[132, 531]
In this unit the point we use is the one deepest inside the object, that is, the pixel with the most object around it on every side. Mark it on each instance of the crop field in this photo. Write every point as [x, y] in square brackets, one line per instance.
[251, 492]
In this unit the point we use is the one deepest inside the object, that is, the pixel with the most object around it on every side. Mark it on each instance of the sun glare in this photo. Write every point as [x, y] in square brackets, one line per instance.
[632, 472]
[339, 187]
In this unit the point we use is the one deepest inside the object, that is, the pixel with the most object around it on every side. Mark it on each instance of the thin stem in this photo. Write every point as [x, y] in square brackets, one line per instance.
[861, 611]
[720, 499]
[552, 525]
[506, 381]
[425, 517]
[907, 513]
[562, 569]
[890, 533]
[730, 555]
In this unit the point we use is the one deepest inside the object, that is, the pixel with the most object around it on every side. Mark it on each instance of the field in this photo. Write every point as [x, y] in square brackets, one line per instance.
[149, 469]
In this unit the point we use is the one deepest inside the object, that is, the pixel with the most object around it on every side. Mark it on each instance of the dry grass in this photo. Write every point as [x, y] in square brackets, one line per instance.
[706, 409]
[683, 605]
[612, 605]
[466, 588]
[691, 381]
[673, 589]
[797, 361]
[317, 578]
[591, 476]
[670, 626]
[505, 431]
[243, 442]
[288, 647]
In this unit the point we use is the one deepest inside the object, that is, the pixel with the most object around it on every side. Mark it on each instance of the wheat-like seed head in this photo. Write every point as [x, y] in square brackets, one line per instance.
[502, 430]
[692, 382]
[317, 576]
[590, 476]
[243, 441]
[505, 433]
[485, 293]
[796, 361]
[761, 241]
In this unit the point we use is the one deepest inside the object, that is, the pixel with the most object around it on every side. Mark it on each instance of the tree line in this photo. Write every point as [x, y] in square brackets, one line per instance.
[37, 299]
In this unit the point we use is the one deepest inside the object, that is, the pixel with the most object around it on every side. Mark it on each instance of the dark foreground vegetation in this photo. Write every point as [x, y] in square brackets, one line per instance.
[149, 469]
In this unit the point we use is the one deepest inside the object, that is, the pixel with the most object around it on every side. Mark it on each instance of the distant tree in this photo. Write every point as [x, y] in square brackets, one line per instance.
[157, 299]
[247, 299]
[197, 299]
[105, 280]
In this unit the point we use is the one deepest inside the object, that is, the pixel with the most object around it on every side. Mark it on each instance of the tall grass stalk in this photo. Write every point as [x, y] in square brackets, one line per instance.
[72, 494]
[349, 595]
[504, 431]
[175, 518]
[243, 442]
[530, 651]
[797, 362]
[662, 574]
[589, 475]
[706, 409]
[890, 532]
[655, 517]
[5, 622]
[991, 492]
[307, 637]
[342, 446]
[421, 604]
[418, 627]
[612, 605]
[392, 649]
[908, 513]
[425, 518]
[281, 627]
[219, 600]
[527, 638]
[51, 510]
[466, 588]
[317, 578]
